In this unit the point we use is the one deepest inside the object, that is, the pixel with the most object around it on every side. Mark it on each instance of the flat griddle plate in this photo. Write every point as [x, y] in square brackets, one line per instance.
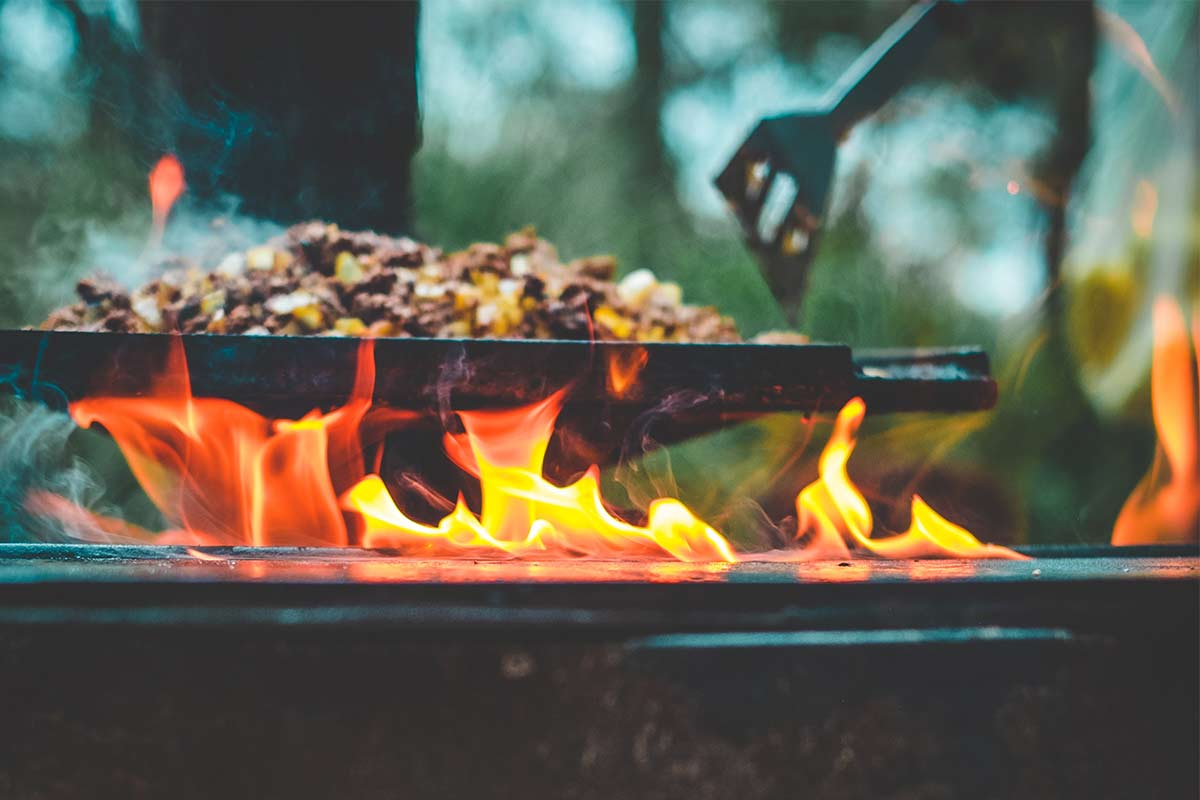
[288, 375]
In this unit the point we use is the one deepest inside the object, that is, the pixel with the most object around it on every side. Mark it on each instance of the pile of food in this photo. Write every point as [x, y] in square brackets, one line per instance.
[316, 279]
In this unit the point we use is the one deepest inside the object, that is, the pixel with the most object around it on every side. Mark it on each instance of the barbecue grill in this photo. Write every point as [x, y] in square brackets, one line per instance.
[308, 671]
[198, 670]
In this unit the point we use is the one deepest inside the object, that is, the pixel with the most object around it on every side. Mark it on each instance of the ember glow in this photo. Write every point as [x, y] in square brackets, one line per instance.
[1165, 506]
[223, 474]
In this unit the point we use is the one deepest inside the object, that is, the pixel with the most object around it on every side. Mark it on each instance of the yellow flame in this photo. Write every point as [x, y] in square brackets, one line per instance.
[525, 515]
[522, 513]
[833, 513]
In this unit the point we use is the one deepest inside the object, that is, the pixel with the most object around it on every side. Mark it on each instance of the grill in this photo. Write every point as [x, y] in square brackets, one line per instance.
[306, 673]
[289, 671]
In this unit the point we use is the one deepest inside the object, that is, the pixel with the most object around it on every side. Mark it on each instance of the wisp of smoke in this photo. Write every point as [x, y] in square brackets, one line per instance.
[34, 457]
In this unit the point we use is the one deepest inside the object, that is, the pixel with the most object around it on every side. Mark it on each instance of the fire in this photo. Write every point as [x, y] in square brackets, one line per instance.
[1166, 509]
[166, 185]
[223, 474]
[833, 514]
[624, 366]
[522, 513]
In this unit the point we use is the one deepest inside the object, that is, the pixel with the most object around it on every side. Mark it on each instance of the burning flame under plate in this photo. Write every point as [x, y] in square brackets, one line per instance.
[223, 474]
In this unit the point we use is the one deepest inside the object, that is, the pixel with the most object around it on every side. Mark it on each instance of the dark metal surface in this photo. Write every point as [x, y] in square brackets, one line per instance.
[294, 374]
[314, 589]
[166, 672]
[203, 713]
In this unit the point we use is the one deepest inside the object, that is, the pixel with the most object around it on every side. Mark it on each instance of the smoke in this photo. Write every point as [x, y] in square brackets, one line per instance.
[631, 471]
[741, 478]
[35, 458]
[84, 112]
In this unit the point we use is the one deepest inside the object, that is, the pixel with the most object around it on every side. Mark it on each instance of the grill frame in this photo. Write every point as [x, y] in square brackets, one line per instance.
[1084, 591]
[1078, 681]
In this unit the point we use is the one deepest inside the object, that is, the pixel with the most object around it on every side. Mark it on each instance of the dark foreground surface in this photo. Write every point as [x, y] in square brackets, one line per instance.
[154, 673]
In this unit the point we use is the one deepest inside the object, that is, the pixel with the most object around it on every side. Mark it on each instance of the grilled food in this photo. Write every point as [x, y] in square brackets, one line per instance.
[317, 279]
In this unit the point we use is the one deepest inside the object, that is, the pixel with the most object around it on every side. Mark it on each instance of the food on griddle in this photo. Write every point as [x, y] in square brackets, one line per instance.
[317, 279]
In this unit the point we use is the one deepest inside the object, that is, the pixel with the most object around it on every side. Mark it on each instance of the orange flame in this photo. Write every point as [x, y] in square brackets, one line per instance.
[166, 185]
[223, 474]
[1159, 512]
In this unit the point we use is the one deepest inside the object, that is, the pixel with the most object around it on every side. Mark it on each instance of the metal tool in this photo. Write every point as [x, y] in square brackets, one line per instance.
[777, 183]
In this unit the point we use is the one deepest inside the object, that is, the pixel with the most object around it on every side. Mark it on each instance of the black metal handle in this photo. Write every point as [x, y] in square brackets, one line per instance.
[885, 66]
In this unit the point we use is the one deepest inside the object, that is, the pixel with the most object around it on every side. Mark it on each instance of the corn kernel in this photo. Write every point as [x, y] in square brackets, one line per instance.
[465, 297]
[488, 282]
[618, 325]
[350, 326]
[653, 334]
[347, 269]
[309, 316]
[217, 325]
[381, 327]
[212, 302]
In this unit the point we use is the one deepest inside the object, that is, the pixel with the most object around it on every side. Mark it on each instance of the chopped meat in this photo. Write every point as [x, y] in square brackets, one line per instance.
[318, 279]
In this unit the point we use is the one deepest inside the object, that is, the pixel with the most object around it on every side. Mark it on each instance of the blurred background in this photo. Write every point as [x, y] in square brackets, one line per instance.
[1031, 190]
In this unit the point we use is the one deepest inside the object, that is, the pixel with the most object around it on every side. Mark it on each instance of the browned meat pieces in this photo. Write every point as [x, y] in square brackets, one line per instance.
[317, 279]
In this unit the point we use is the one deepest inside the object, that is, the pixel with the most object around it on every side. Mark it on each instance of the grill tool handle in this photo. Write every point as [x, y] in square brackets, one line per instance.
[885, 66]
[781, 219]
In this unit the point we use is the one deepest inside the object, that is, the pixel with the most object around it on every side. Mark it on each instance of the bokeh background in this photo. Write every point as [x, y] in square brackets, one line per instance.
[1031, 190]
